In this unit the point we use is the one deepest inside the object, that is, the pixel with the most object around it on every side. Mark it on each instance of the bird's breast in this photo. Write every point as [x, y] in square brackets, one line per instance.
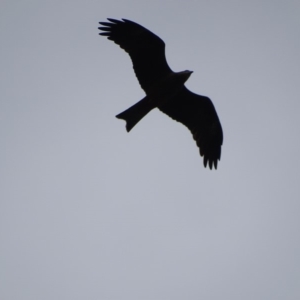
[165, 90]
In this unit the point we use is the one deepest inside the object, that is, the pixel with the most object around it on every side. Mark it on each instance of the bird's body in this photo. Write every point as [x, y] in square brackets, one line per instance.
[165, 89]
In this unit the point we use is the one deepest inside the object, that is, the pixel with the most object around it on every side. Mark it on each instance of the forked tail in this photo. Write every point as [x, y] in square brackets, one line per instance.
[135, 113]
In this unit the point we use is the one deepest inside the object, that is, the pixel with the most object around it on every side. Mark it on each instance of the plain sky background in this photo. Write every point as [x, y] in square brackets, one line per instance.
[88, 211]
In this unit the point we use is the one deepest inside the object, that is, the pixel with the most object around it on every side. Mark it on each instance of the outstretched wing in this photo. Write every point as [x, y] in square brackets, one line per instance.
[198, 114]
[146, 50]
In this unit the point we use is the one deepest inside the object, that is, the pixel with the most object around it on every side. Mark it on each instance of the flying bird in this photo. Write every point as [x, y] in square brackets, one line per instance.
[164, 88]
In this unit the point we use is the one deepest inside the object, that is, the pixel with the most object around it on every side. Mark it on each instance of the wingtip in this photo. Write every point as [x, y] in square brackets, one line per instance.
[205, 161]
[216, 164]
[211, 163]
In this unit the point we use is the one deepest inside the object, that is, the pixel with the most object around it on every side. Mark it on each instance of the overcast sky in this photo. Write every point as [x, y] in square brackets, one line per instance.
[89, 211]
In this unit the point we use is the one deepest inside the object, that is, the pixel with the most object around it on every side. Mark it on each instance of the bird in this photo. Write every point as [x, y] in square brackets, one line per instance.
[164, 88]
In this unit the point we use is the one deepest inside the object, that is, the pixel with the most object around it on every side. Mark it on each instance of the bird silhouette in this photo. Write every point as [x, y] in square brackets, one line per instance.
[165, 89]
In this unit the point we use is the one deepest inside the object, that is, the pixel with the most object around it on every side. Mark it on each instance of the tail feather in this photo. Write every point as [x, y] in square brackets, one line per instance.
[135, 113]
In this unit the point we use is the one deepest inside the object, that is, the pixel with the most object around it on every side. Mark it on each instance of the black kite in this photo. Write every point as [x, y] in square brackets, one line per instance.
[165, 89]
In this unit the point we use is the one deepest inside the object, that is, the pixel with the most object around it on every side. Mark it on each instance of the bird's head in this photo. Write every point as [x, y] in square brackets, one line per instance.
[186, 74]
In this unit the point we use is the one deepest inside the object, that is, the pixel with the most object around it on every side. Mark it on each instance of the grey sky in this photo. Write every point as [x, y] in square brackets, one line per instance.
[88, 211]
